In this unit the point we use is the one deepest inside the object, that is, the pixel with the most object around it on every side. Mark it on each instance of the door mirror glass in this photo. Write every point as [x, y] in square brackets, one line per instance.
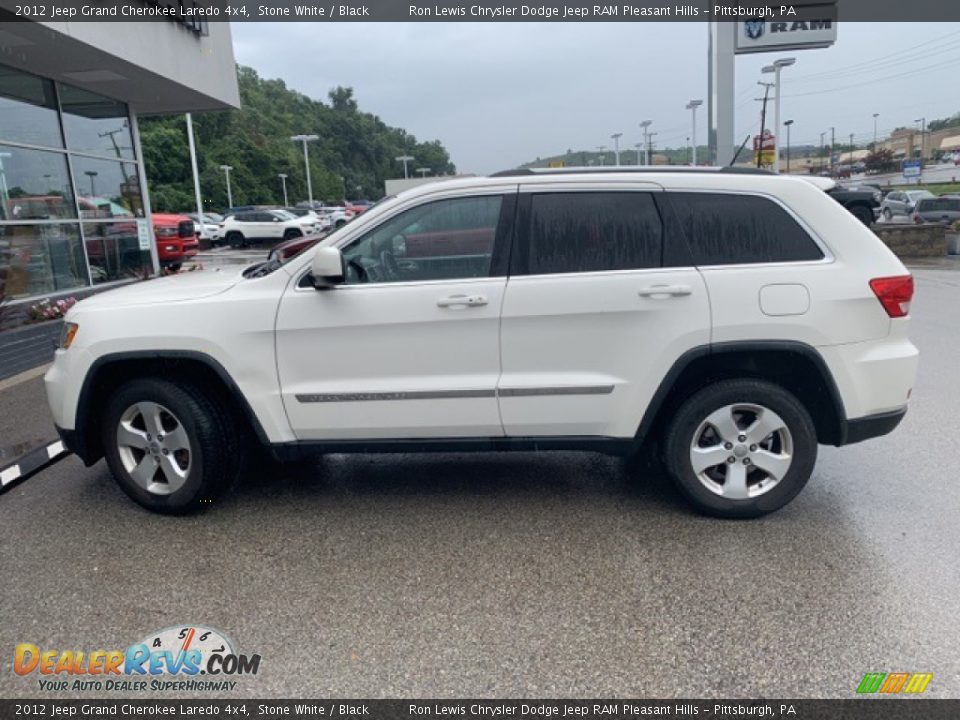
[327, 267]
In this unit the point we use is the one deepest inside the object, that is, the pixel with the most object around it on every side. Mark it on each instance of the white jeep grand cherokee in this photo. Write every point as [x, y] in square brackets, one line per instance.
[740, 318]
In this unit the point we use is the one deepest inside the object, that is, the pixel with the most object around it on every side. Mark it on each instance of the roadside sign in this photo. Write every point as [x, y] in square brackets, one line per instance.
[795, 33]
[912, 168]
[143, 234]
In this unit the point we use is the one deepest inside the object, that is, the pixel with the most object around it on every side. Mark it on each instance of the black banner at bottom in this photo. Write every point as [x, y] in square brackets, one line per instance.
[876, 708]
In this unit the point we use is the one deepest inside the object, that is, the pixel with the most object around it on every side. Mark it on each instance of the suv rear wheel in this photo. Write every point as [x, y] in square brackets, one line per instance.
[741, 448]
[168, 445]
[236, 240]
[291, 234]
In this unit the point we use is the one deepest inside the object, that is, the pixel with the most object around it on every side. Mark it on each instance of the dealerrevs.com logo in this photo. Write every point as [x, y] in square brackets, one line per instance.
[184, 658]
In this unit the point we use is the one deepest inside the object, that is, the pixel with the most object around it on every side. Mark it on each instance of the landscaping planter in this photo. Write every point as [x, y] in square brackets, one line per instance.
[27, 347]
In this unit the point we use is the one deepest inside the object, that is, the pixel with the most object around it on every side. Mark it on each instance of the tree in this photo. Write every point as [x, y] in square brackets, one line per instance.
[879, 161]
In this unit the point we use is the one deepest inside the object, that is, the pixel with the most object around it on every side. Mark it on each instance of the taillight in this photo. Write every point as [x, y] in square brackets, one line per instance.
[894, 293]
[917, 219]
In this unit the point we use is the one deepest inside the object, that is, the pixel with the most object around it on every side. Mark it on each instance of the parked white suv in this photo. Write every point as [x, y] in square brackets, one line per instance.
[738, 318]
[247, 226]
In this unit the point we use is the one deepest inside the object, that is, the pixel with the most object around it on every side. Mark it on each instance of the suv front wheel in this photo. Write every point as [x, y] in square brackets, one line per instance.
[741, 448]
[169, 446]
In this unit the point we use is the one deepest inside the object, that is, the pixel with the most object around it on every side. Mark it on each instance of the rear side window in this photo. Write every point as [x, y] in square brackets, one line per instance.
[939, 205]
[726, 229]
[593, 231]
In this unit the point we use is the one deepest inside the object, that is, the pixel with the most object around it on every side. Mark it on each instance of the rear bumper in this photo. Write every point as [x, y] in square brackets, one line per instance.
[871, 426]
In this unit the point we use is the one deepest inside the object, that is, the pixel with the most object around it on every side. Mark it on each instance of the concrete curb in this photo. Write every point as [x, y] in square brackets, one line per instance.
[34, 461]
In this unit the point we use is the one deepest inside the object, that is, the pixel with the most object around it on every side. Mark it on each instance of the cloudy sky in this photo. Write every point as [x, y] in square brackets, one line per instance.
[498, 95]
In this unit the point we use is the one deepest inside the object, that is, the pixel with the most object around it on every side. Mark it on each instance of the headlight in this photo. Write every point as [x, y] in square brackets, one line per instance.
[67, 333]
[171, 248]
[878, 196]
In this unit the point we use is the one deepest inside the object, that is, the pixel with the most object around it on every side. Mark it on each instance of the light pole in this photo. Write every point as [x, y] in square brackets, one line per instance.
[645, 124]
[603, 158]
[92, 174]
[692, 107]
[306, 161]
[777, 66]
[283, 182]
[821, 151]
[616, 147]
[875, 116]
[404, 159]
[196, 177]
[423, 171]
[639, 146]
[788, 123]
[226, 171]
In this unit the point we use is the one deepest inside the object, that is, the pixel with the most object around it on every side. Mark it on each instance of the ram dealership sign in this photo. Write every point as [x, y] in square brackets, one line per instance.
[791, 34]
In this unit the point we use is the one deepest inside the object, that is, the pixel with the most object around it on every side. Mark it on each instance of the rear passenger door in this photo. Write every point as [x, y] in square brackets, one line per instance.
[599, 304]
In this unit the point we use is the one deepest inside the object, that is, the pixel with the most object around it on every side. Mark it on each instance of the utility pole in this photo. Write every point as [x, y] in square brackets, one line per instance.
[646, 158]
[640, 148]
[851, 151]
[283, 181]
[923, 139]
[875, 116]
[603, 158]
[763, 118]
[821, 151]
[650, 146]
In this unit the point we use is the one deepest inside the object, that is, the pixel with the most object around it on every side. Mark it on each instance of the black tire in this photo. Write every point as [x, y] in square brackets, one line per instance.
[213, 458]
[685, 424]
[175, 267]
[291, 234]
[236, 240]
[863, 214]
[340, 223]
[887, 215]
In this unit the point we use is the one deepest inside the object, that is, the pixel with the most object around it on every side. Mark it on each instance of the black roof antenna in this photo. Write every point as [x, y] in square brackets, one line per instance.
[739, 150]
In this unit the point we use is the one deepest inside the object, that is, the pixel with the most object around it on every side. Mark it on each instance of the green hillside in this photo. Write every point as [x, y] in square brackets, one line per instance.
[352, 158]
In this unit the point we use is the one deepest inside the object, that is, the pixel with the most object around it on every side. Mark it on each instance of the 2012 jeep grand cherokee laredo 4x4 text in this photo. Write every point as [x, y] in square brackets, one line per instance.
[740, 318]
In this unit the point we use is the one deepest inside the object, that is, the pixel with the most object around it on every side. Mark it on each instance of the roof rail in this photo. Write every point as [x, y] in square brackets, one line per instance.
[527, 172]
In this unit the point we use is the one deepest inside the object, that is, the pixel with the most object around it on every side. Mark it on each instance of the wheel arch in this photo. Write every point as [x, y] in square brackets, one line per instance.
[111, 371]
[795, 366]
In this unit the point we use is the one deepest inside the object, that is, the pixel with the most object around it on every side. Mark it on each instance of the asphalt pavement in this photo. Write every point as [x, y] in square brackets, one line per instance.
[513, 575]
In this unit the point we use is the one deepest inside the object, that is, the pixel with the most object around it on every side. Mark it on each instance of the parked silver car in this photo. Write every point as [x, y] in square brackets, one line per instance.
[900, 202]
[944, 210]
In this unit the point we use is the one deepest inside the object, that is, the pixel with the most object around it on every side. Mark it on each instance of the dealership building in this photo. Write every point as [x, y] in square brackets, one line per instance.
[74, 210]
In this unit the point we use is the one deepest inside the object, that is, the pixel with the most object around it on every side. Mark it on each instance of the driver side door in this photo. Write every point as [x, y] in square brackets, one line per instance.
[408, 346]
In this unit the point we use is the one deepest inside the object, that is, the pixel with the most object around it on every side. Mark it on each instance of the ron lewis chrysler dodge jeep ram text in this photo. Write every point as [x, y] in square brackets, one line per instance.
[740, 318]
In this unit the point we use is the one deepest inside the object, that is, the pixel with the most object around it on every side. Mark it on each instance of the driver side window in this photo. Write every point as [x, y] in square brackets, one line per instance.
[441, 240]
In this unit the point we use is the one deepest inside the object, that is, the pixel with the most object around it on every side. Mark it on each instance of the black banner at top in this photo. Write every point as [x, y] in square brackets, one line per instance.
[799, 11]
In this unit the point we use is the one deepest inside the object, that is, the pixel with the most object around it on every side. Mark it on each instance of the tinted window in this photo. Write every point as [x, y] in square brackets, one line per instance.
[591, 232]
[725, 229]
[939, 204]
[441, 240]
[106, 188]
[95, 124]
[28, 109]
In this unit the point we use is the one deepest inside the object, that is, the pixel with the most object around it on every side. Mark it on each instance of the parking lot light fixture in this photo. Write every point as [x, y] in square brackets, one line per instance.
[226, 171]
[692, 107]
[306, 160]
[283, 182]
[777, 66]
[639, 146]
[423, 172]
[405, 159]
[787, 124]
[616, 147]
[875, 116]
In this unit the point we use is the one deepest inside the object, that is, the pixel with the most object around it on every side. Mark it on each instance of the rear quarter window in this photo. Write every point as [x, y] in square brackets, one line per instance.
[729, 229]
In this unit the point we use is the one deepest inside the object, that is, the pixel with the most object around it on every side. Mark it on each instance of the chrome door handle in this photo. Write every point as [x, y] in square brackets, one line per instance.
[665, 291]
[462, 301]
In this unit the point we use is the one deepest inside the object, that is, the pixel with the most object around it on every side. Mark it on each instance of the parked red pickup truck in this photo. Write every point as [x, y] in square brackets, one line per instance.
[176, 241]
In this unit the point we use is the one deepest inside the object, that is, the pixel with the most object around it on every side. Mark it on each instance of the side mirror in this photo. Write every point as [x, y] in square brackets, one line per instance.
[327, 267]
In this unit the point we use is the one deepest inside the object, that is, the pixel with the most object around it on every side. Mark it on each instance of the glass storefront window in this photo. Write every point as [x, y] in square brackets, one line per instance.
[34, 185]
[107, 189]
[114, 251]
[95, 124]
[28, 109]
[40, 259]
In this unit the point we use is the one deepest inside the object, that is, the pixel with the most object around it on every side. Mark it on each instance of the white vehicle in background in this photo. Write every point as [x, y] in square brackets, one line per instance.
[248, 226]
[322, 221]
[337, 214]
[737, 319]
[210, 225]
